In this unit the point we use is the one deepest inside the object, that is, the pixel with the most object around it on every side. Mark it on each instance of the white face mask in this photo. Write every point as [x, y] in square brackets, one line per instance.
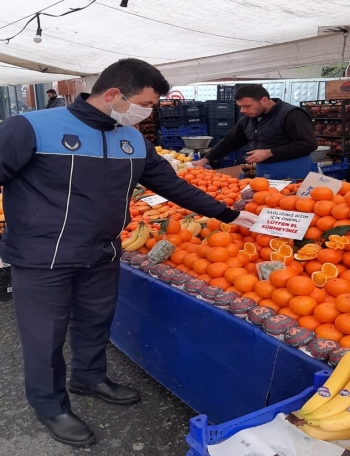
[132, 116]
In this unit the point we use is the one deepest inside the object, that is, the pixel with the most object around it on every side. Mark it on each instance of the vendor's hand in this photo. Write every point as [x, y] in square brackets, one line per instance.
[259, 155]
[201, 162]
[246, 219]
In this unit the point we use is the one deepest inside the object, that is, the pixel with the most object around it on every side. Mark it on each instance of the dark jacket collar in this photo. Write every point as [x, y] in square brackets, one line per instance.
[90, 115]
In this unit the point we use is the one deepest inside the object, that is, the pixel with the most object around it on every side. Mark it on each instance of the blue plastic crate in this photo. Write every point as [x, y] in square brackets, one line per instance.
[214, 108]
[219, 128]
[173, 142]
[180, 121]
[337, 170]
[185, 130]
[228, 160]
[190, 109]
[201, 434]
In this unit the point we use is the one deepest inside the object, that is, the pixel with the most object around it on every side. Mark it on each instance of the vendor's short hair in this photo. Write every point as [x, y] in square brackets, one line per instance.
[255, 91]
[131, 76]
[51, 91]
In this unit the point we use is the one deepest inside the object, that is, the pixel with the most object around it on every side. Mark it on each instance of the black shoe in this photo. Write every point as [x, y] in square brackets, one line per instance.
[68, 428]
[108, 391]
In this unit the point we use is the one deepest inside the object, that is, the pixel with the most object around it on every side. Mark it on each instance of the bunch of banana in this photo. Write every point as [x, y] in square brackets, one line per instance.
[138, 238]
[326, 416]
[189, 223]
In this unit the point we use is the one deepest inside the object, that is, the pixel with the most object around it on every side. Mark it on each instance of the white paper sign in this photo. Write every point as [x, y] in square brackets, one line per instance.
[287, 224]
[313, 180]
[154, 200]
[279, 184]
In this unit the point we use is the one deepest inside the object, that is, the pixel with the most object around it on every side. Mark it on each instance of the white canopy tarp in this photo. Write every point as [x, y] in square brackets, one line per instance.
[165, 32]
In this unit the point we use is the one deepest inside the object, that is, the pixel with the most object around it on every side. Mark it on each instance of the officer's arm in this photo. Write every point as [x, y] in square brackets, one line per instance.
[17, 147]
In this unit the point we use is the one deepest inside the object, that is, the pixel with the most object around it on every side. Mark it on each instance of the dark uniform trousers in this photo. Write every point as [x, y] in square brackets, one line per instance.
[47, 303]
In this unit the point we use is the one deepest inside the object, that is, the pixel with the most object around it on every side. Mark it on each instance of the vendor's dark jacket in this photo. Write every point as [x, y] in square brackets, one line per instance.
[68, 177]
[55, 102]
[286, 130]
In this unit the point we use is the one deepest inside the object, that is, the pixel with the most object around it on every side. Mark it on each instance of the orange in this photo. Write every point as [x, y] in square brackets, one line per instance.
[313, 233]
[329, 256]
[302, 305]
[232, 249]
[202, 250]
[345, 275]
[329, 331]
[305, 205]
[319, 278]
[330, 298]
[341, 268]
[309, 322]
[191, 248]
[323, 207]
[330, 269]
[192, 273]
[228, 228]
[264, 288]
[213, 224]
[242, 258]
[342, 302]
[201, 265]
[195, 240]
[273, 200]
[281, 296]
[289, 312]
[300, 286]
[251, 207]
[259, 197]
[346, 259]
[220, 282]
[321, 193]
[336, 287]
[345, 187]
[341, 211]
[313, 266]
[326, 312]
[216, 254]
[235, 290]
[173, 238]
[204, 233]
[264, 239]
[216, 269]
[232, 273]
[189, 259]
[259, 183]
[270, 303]
[178, 256]
[342, 323]
[252, 295]
[219, 239]
[347, 198]
[344, 222]
[325, 223]
[345, 341]
[280, 277]
[288, 202]
[297, 266]
[265, 253]
[245, 282]
[173, 227]
[205, 277]
[276, 243]
[338, 199]
[319, 295]
[151, 242]
[182, 267]
[251, 268]
[233, 262]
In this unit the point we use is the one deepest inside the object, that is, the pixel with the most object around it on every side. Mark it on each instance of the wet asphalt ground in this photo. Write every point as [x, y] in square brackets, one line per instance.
[155, 427]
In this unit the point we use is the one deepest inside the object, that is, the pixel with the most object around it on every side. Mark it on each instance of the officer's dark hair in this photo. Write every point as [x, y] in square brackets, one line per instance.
[51, 91]
[255, 91]
[131, 76]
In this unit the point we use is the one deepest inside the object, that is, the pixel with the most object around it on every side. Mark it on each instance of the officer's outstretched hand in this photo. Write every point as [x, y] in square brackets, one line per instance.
[246, 219]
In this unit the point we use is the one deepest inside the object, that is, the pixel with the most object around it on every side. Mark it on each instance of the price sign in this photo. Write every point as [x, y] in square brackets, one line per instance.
[279, 184]
[313, 180]
[154, 200]
[285, 224]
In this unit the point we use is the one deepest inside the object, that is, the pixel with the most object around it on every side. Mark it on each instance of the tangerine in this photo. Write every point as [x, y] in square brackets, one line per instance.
[341, 211]
[264, 288]
[245, 282]
[233, 262]
[178, 256]
[270, 303]
[216, 269]
[309, 322]
[326, 312]
[345, 275]
[259, 197]
[329, 256]
[252, 295]
[173, 227]
[214, 254]
[323, 207]
[287, 311]
[342, 323]
[325, 223]
[305, 204]
[220, 282]
[329, 331]
[280, 277]
[205, 277]
[259, 183]
[319, 295]
[342, 302]
[288, 202]
[302, 305]
[232, 273]
[300, 286]
[321, 193]
[213, 224]
[219, 239]
[281, 296]
[201, 265]
[264, 239]
[336, 287]
[345, 341]
[174, 239]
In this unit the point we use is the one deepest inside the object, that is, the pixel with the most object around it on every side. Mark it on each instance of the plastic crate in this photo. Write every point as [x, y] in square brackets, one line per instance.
[228, 160]
[173, 142]
[185, 130]
[226, 92]
[181, 121]
[215, 108]
[337, 170]
[189, 108]
[201, 434]
[221, 127]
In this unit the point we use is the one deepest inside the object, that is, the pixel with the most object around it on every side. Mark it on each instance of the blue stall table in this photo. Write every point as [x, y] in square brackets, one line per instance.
[216, 363]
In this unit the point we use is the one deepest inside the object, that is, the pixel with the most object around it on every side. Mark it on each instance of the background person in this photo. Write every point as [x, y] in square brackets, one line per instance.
[68, 177]
[280, 136]
[54, 100]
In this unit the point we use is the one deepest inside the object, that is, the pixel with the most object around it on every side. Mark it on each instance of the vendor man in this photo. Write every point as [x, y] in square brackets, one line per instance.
[280, 136]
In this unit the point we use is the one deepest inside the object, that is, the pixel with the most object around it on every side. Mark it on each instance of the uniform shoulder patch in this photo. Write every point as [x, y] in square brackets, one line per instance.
[71, 142]
[126, 147]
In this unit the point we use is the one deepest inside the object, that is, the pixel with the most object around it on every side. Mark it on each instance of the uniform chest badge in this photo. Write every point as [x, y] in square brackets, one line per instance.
[71, 142]
[126, 147]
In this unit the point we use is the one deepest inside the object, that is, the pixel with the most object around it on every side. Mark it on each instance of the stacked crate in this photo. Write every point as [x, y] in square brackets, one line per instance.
[148, 127]
[179, 118]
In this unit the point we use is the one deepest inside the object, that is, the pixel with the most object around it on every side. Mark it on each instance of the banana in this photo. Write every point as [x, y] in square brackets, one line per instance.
[320, 434]
[142, 236]
[336, 423]
[340, 403]
[336, 382]
[132, 238]
[203, 220]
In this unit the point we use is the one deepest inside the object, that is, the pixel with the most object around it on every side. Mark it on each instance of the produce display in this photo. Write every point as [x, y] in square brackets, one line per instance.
[325, 416]
[295, 291]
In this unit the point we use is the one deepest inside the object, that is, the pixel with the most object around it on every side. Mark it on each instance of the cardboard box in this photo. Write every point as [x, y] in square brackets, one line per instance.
[338, 90]
[233, 171]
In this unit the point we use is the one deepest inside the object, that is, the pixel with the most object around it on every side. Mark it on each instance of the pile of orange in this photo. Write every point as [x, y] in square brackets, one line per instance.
[314, 287]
